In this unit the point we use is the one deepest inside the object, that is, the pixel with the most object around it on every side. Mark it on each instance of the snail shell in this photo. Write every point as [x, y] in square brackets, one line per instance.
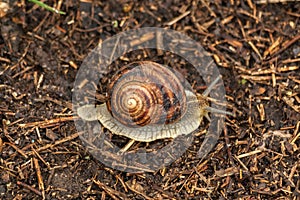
[147, 101]
[146, 93]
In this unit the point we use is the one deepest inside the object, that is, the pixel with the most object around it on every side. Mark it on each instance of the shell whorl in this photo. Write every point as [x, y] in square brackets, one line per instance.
[145, 93]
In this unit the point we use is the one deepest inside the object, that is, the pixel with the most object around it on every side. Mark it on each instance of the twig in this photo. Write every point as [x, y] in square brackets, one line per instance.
[47, 123]
[273, 1]
[39, 176]
[249, 154]
[71, 137]
[29, 188]
[176, 19]
[110, 191]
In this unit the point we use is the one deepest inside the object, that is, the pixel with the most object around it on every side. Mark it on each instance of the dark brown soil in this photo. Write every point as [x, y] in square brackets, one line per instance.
[256, 48]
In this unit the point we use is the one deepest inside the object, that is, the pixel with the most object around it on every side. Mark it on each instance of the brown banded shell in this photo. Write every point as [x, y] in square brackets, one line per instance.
[147, 101]
[145, 93]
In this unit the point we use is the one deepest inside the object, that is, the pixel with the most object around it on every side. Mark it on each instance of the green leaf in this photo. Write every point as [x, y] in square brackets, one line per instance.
[43, 5]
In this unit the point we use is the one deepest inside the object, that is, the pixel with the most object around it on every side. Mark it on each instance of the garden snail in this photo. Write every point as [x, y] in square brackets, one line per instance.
[148, 101]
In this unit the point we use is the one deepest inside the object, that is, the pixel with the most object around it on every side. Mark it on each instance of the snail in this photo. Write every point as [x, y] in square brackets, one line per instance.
[149, 101]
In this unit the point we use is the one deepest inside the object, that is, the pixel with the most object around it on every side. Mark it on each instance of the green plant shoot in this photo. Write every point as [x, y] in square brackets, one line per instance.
[43, 5]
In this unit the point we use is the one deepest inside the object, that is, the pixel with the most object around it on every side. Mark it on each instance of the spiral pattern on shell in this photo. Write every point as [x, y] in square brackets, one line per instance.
[145, 93]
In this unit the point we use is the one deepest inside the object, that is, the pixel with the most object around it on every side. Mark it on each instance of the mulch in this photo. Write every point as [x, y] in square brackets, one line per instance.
[256, 46]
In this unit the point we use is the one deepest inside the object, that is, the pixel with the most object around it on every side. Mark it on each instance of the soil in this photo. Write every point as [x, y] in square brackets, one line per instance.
[256, 46]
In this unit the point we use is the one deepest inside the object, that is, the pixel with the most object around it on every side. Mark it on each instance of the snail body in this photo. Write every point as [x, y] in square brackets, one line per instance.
[148, 101]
